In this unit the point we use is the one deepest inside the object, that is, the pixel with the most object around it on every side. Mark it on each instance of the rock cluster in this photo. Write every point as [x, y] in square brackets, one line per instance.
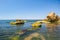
[52, 17]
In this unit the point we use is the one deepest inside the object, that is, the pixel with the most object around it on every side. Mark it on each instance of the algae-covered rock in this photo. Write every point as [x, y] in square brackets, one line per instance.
[36, 24]
[17, 22]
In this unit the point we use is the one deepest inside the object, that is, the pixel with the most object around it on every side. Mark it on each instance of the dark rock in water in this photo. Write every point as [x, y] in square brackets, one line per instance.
[19, 23]
[40, 26]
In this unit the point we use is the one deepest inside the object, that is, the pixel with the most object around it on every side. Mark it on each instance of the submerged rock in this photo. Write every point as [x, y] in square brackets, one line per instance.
[35, 35]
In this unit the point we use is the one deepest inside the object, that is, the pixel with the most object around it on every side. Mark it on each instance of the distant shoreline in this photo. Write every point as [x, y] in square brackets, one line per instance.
[21, 19]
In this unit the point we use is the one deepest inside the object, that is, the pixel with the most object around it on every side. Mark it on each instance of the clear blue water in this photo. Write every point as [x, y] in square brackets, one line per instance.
[14, 32]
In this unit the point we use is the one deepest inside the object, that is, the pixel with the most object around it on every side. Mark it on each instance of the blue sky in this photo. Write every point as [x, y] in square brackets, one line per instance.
[28, 9]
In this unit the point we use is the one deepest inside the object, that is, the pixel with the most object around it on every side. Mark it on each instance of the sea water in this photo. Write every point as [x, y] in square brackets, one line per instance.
[26, 31]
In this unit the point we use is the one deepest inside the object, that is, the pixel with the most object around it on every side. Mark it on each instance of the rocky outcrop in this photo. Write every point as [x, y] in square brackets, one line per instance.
[52, 17]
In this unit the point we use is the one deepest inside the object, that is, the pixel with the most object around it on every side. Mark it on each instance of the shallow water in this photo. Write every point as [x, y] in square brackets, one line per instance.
[26, 32]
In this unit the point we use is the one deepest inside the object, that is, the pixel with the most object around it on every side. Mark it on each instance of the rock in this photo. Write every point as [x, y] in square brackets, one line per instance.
[52, 17]
[36, 35]
[36, 24]
[17, 22]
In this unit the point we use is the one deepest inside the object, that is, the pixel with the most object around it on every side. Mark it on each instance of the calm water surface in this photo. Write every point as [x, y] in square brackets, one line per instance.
[26, 32]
